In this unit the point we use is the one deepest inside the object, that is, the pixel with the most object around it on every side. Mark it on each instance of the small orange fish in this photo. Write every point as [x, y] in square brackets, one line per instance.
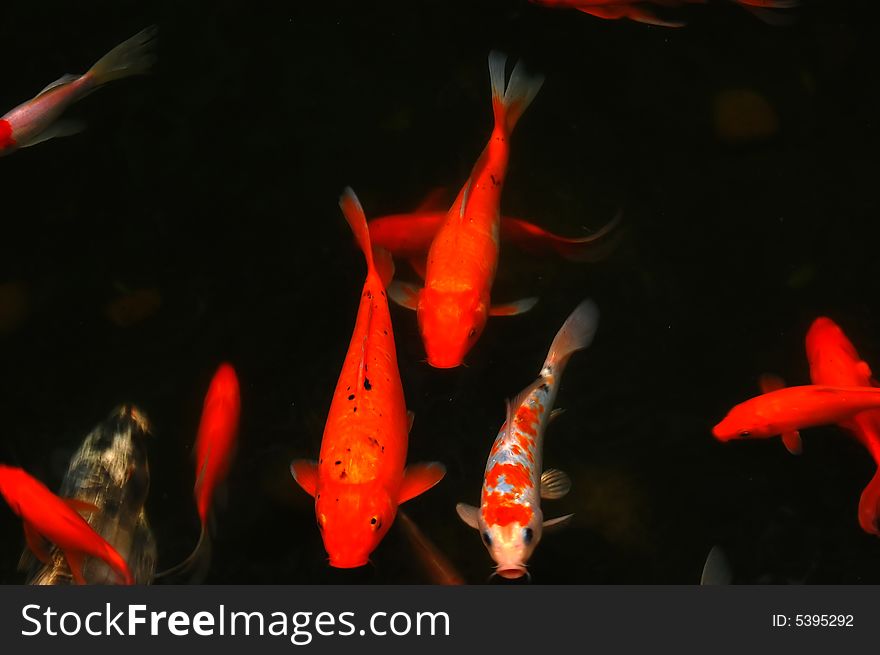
[360, 477]
[639, 10]
[214, 451]
[48, 517]
[455, 303]
[834, 360]
[36, 120]
[409, 236]
[785, 411]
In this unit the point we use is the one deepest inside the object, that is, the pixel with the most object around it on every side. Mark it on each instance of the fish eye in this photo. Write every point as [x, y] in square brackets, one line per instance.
[745, 433]
[487, 538]
[528, 535]
[376, 522]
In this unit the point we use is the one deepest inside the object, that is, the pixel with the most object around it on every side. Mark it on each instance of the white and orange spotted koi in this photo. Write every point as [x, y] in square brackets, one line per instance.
[509, 519]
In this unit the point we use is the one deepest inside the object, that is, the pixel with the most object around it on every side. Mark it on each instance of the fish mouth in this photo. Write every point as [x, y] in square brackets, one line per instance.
[348, 563]
[511, 572]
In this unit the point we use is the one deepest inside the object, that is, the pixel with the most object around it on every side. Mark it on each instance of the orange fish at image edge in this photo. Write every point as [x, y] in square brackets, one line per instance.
[640, 11]
[47, 517]
[360, 477]
[455, 303]
[834, 360]
[786, 410]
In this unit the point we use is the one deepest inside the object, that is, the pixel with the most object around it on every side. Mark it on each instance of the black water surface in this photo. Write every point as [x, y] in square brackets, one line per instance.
[215, 181]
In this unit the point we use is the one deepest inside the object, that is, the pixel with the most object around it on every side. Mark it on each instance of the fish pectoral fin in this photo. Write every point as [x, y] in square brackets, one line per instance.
[716, 570]
[557, 523]
[410, 418]
[555, 413]
[513, 308]
[769, 382]
[419, 265]
[404, 294]
[56, 129]
[418, 478]
[469, 514]
[554, 484]
[35, 543]
[305, 472]
[863, 369]
[75, 564]
[792, 441]
[81, 506]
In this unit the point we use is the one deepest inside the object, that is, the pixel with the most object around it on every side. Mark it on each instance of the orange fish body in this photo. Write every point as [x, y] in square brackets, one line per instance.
[455, 303]
[409, 236]
[46, 516]
[360, 477]
[216, 438]
[787, 410]
[834, 360]
[638, 10]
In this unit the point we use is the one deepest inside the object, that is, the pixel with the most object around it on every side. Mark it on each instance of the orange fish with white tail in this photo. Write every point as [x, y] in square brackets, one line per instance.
[47, 517]
[361, 475]
[455, 303]
[640, 11]
[36, 120]
[509, 518]
[834, 360]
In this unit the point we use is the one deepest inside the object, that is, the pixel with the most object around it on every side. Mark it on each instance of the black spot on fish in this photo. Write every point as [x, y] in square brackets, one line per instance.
[544, 387]
[348, 450]
[343, 475]
[351, 397]
[385, 332]
[354, 410]
[367, 384]
[494, 181]
[337, 462]
[383, 449]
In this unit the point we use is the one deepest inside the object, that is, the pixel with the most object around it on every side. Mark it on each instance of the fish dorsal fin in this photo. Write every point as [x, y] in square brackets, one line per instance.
[465, 195]
[792, 442]
[520, 398]
[305, 472]
[56, 130]
[67, 78]
[81, 506]
[436, 200]
[404, 294]
[469, 514]
[554, 484]
[716, 570]
[557, 523]
[362, 364]
[555, 413]
[418, 478]
[770, 382]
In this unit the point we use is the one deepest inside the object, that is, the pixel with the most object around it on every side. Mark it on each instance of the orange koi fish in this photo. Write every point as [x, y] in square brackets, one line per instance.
[409, 236]
[36, 121]
[785, 411]
[834, 360]
[463, 257]
[360, 477]
[214, 452]
[639, 11]
[509, 518]
[50, 518]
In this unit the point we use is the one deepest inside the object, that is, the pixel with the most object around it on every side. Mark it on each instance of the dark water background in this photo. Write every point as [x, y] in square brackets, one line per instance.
[215, 181]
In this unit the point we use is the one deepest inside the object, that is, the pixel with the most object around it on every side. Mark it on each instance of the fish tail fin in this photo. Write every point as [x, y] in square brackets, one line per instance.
[765, 10]
[575, 334]
[379, 260]
[131, 57]
[510, 102]
[869, 506]
[200, 554]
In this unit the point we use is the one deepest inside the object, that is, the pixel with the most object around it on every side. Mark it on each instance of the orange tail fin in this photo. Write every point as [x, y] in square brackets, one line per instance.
[379, 260]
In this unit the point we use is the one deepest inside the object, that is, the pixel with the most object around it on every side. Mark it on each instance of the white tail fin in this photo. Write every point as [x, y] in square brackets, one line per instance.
[575, 334]
[509, 103]
[131, 57]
